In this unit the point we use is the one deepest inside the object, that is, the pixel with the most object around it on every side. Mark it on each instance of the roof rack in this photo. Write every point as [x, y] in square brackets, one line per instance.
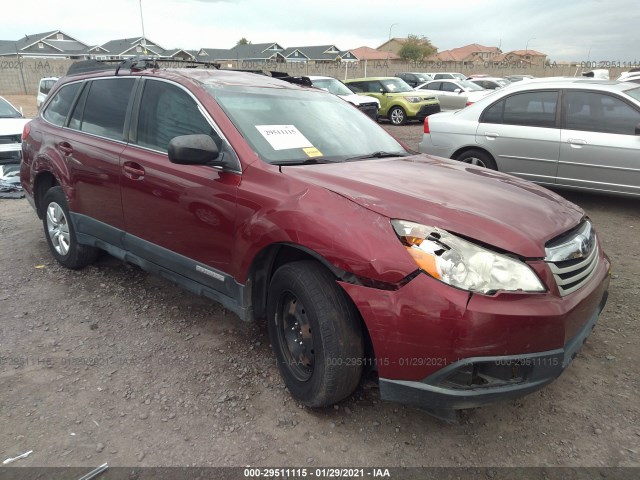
[304, 81]
[133, 64]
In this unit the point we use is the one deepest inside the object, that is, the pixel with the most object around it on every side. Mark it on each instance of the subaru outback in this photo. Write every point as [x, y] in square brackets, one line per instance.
[457, 285]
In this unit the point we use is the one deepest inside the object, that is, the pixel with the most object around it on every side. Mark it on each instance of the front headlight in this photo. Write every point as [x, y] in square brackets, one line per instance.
[414, 99]
[462, 264]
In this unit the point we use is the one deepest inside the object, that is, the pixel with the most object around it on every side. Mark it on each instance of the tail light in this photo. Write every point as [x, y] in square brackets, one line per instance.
[25, 131]
[426, 125]
[469, 103]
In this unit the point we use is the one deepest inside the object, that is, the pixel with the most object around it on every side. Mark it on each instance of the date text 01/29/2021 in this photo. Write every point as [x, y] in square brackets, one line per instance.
[316, 472]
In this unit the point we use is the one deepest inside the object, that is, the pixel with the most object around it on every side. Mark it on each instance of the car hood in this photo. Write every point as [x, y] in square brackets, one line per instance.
[359, 99]
[12, 126]
[492, 208]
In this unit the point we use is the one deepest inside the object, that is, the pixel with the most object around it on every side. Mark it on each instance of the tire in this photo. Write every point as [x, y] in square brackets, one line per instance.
[60, 234]
[397, 116]
[315, 333]
[479, 158]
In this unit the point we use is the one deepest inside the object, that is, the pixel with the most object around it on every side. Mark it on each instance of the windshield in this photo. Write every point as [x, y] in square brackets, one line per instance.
[294, 126]
[7, 110]
[634, 93]
[332, 85]
[470, 86]
[396, 85]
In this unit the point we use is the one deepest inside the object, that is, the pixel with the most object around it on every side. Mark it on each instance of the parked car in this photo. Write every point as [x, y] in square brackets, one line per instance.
[398, 101]
[572, 133]
[447, 76]
[10, 173]
[44, 87]
[367, 105]
[518, 78]
[413, 79]
[491, 83]
[454, 94]
[11, 126]
[458, 287]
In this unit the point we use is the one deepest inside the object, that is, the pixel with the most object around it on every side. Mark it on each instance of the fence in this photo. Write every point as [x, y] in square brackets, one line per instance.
[21, 76]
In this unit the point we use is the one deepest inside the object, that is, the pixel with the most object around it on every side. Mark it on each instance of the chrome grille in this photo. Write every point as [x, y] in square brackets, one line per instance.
[573, 258]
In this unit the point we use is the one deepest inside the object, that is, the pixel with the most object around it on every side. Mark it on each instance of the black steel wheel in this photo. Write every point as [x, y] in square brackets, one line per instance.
[315, 333]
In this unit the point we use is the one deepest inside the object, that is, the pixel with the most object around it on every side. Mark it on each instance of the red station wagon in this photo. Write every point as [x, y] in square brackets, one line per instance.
[459, 285]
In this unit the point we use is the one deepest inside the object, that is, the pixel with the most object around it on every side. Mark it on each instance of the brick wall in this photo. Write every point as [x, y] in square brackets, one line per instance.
[20, 76]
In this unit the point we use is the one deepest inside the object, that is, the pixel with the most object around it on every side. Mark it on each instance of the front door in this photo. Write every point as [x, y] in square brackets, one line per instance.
[179, 216]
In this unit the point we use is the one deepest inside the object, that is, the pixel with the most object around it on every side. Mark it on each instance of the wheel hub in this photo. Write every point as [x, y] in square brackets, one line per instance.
[296, 337]
[58, 228]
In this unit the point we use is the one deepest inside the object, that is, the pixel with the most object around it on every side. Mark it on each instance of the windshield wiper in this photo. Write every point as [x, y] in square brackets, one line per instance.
[308, 161]
[380, 154]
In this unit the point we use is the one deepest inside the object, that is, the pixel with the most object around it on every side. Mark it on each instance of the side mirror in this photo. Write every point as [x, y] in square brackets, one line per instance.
[638, 129]
[382, 91]
[457, 90]
[194, 150]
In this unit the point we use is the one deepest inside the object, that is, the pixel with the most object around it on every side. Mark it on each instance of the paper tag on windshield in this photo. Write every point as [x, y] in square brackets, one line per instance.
[312, 152]
[282, 137]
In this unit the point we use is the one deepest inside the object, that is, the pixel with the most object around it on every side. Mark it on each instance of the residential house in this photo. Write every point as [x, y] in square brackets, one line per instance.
[53, 44]
[393, 45]
[530, 58]
[473, 53]
[319, 54]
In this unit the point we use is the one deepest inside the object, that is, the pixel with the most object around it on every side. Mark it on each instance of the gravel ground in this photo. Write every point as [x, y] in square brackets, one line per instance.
[111, 364]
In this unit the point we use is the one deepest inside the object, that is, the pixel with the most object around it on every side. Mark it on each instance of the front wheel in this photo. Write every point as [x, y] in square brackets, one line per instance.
[315, 334]
[397, 116]
[479, 158]
[60, 233]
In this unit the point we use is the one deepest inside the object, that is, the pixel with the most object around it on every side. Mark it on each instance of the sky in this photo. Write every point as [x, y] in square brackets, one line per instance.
[595, 30]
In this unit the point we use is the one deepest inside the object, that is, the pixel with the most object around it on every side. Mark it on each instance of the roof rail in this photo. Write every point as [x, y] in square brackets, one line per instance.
[304, 81]
[133, 64]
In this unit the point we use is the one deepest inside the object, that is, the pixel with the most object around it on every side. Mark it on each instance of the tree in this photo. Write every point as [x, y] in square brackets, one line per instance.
[243, 41]
[416, 47]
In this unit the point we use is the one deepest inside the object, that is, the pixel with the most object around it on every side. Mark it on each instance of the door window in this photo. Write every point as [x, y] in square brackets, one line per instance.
[597, 112]
[166, 112]
[106, 105]
[450, 87]
[536, 109]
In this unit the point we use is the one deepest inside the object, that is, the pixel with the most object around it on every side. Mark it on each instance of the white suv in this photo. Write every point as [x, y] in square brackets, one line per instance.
[43, 89]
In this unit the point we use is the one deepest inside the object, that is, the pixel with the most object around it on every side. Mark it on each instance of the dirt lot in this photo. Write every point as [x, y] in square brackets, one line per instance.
[111, 364]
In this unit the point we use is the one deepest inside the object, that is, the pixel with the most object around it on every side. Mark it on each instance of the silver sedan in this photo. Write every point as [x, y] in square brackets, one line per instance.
[573, 133]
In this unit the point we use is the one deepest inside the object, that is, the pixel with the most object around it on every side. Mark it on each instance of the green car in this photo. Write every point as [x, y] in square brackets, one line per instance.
[398, 101]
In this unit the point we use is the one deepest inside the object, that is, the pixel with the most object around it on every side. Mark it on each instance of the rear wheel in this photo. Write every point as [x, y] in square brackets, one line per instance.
[315, 333]
[479, 158]
[397, 116]
[60, 234]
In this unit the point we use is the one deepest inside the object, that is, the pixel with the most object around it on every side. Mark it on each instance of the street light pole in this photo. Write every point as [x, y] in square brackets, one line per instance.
[386, 72]
[526, 49]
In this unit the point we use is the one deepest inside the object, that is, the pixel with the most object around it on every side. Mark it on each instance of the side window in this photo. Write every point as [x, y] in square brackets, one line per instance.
[356, 87]
[166, 112]
[432, 86]
[58, 108]
[493, 114]
[439, 76]
[374, 86]
[450, 87]
[598, 112]
[536, 109]
[105, 108]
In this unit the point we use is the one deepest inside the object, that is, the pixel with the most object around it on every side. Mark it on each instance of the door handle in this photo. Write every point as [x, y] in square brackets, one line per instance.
[133, 170]
[65, 148]
[491, 135]
[576, 142]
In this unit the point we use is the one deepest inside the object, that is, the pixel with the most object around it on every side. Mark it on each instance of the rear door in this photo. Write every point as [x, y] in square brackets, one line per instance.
[521, 132]
[90, 142]
[599, 148]
[179, 216]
